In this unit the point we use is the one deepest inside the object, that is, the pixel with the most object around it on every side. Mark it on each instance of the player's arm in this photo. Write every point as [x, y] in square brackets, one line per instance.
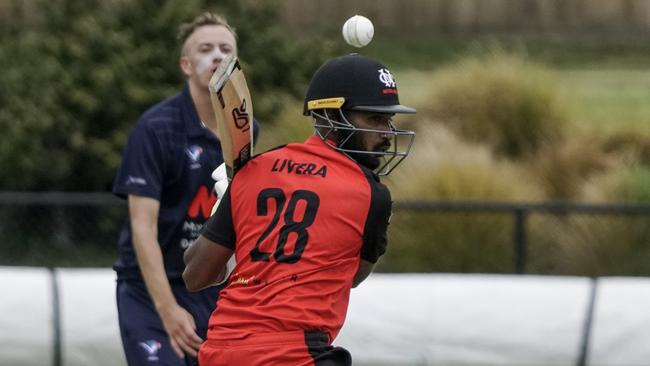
[364, 270]
[179, 324]
[205, 263]
[375, 238]
[205, 260]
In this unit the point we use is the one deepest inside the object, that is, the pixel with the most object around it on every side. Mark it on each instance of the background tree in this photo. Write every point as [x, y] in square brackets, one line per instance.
[78, 73]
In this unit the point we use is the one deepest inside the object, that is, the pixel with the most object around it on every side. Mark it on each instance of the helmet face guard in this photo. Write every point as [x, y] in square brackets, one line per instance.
[356, 83]
[338, 133]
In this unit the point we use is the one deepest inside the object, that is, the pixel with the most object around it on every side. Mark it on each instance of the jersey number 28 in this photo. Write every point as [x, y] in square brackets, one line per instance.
[311, 200]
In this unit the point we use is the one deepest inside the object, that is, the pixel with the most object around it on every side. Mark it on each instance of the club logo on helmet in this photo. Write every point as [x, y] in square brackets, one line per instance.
[387, 78]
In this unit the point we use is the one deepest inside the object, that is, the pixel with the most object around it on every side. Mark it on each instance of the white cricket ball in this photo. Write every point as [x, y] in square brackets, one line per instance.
[358, 31]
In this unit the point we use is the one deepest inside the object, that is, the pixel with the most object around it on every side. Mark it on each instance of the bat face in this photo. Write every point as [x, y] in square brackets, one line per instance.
[233, 109]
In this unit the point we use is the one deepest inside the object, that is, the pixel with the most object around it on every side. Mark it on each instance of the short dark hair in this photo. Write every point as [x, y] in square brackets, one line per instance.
[186, 29]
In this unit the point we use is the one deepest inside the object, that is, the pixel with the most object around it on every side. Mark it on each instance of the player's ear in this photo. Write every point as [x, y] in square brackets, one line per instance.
[185, 65]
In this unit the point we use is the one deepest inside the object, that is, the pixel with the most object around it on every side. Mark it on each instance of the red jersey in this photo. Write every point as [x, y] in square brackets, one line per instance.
[299, 219]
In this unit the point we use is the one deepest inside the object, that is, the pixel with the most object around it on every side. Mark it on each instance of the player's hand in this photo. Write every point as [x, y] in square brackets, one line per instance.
[227, 270]
[181, 329]
[221, 184]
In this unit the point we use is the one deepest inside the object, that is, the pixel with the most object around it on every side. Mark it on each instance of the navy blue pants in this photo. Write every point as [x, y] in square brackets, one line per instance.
[143, 334]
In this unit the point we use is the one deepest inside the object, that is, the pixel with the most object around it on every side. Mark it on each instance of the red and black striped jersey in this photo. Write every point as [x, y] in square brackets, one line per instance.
[299, 219]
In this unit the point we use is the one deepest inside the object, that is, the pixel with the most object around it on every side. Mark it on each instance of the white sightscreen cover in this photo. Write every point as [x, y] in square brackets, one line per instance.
[621, 323]
[393, 319]
[439, 319]
[26, 331]
[91, 334]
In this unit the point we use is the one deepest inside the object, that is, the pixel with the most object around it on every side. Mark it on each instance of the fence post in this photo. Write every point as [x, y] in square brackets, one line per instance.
[57, 358]
[520, 239]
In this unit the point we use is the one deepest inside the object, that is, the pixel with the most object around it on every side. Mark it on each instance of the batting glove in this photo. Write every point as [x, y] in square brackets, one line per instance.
[220, 185]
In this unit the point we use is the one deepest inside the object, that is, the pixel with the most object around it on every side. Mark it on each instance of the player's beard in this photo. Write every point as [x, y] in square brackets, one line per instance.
[370, 161]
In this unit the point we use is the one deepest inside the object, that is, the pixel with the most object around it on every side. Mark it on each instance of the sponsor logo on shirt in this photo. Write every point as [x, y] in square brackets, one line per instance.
[202, 203]
[241, 280]
[197, 213]
[194, 153]
[137, 181]
[151, 347]
[192, 230]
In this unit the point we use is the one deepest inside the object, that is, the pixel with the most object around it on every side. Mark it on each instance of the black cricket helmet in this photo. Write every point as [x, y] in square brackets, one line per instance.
[357, 83]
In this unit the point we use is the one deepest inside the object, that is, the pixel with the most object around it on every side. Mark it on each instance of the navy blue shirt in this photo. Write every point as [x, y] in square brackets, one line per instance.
[169, 156]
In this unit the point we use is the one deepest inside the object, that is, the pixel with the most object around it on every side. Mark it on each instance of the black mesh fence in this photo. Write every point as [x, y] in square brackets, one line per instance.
[539, 238]
[59, 229]
[81, 230]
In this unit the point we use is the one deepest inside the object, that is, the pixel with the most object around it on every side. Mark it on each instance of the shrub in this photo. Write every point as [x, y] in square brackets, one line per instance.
[562, 169]
[449, 242]
[289, 126]
[629, 183]
[501, 100]
[589, 245]
[442, 166]
[597, 244]
[633, 145]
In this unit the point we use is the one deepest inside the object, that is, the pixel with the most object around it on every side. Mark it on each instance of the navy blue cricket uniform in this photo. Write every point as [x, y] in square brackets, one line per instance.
[169, 156]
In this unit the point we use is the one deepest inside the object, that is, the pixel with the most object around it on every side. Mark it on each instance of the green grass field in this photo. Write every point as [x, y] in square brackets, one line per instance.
[608, 100]
[600, 101]
[605, 80]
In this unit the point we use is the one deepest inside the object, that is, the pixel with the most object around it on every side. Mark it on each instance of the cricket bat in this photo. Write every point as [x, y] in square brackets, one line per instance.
[233, 109]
